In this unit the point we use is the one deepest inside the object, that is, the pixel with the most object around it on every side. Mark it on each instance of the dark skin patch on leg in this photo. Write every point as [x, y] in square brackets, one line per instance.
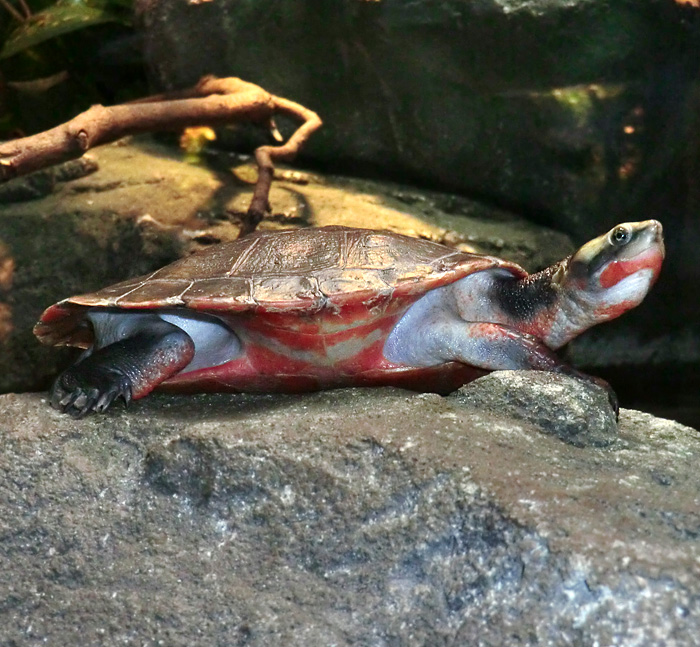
[130, 368]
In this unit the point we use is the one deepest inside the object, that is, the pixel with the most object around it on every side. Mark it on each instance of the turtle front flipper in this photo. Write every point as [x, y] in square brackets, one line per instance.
[129, 369]
[439, 336]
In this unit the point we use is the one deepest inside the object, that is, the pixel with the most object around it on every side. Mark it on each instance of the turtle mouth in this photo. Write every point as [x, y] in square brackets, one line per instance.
[652, 237]
[610, 258]
[647, 250]
[649, 259]
[646, 238]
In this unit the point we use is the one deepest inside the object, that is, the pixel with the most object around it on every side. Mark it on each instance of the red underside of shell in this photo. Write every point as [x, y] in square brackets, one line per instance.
[244, 378]
[295, 354]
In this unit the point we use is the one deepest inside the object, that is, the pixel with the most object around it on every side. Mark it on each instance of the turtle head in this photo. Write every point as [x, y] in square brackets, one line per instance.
[613, 273]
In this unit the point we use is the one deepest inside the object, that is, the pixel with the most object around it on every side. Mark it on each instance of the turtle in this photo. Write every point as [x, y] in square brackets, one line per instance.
[319, 308]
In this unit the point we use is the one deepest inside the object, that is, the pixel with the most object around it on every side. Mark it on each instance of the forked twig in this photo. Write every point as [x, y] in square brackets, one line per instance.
[212, 101]
[15, 13]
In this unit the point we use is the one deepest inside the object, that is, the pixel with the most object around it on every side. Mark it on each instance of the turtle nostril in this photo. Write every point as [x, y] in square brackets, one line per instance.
[653, 230]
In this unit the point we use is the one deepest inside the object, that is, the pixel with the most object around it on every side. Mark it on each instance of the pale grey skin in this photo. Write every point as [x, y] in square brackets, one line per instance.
[452, 323]
[487, 319]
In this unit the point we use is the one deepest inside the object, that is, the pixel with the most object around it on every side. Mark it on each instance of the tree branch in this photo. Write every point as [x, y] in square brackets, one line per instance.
[212, 101]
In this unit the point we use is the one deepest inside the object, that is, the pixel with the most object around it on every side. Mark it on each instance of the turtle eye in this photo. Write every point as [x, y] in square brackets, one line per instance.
[620, 236]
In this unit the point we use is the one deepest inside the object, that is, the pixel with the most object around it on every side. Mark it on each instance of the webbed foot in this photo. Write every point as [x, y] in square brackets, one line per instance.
[126, 369]
[84, 388]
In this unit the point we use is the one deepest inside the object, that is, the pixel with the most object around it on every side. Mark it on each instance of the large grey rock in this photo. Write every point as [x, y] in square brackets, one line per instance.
[145, 206]
[354, 517]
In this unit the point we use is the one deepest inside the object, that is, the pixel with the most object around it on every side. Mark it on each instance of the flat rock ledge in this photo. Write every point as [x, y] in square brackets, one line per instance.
[353, 517]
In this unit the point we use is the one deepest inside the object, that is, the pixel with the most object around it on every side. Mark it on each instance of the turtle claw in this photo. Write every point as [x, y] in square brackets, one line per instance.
[122, 389]
[77, 392]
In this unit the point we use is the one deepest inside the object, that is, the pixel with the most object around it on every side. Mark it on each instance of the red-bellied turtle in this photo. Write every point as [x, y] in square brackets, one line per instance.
[322, 308]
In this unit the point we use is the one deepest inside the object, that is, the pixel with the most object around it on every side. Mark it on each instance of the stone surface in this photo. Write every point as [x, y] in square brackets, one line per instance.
[575, 411]
[145, 206]
[353, 517]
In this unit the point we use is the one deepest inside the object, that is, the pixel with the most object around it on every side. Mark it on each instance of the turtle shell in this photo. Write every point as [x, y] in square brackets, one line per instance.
[332, 270]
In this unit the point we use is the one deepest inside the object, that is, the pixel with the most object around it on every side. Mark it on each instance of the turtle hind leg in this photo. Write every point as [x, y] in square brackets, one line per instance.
[128, 368]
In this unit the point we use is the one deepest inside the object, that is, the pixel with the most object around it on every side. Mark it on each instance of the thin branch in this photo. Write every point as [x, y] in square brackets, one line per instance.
[212, 101]
[12, 11]
[265, 156]
[25, 8]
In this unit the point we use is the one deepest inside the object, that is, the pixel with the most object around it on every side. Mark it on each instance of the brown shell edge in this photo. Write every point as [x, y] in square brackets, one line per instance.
[64, 323]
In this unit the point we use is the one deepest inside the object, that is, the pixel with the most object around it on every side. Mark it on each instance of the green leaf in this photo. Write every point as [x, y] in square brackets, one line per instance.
[62, 18]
